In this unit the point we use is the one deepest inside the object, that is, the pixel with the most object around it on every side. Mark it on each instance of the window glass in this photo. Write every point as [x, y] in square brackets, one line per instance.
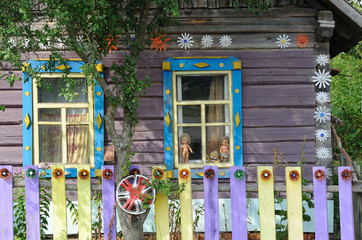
[77, 143]
[50, 143]
[53, 94]
[49, 114]
[190, 137]
[217, 143]
[217, 113]
[189, 114]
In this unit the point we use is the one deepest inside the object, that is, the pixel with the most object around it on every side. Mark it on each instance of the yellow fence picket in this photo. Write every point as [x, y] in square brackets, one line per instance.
[186, 204]
[84, 203]
[59, 205]
[294, 203]
[161, 207]
[266, 202]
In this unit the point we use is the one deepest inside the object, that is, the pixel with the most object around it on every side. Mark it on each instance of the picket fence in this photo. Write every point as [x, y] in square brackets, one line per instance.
[211, 205]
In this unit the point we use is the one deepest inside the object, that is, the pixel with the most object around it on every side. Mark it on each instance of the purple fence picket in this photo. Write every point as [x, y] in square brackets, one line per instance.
[320, 203]
[346, 203]
[6, 206]
[238, 203]
[211, 203]
[32, 202]
[109, 200]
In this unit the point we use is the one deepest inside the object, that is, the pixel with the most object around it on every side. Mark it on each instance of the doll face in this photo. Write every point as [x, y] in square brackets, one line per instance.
[183, 140]
[224, 142]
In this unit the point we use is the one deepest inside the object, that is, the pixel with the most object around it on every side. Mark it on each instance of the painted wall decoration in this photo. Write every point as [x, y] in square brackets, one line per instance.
[302, 40]
[322, 60]
[283, 41]
[323, 153]
[207, 41]
[225, 41]
[185, 41]
[322, 78]
[322, 114]
[158, 41]
[322, 97]
[322, 135]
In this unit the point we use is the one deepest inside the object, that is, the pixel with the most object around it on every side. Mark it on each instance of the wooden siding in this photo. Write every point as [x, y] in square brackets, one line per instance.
[278, 94]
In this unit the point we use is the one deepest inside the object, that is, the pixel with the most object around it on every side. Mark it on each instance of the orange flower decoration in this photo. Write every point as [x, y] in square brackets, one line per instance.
[110, 45]
[58, 173]
[158, 41]
[302, 40]
[265, 174]
[184, 173]
[84, 174]
[294, 175]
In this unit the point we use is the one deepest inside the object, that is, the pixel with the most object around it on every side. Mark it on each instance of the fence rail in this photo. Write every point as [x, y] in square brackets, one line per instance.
[238, 188]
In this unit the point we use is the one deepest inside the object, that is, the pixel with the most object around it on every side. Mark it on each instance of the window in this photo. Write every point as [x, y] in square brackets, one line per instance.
[202, 111]
[59, 131]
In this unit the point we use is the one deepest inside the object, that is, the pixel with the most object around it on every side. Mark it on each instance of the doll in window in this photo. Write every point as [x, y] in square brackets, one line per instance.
[185, 149]
[224, 149]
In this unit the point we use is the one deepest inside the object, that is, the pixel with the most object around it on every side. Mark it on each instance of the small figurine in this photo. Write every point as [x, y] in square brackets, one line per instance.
[185, 149]
[213, 157]
[224, 149]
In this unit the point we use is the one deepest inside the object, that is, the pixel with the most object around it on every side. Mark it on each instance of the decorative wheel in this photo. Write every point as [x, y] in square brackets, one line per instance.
[319, 174]
[346, 174]
[134, 195]
[294, 175]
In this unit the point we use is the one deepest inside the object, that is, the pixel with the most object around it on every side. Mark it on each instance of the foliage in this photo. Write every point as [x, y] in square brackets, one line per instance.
[97, 201]
[346, 99]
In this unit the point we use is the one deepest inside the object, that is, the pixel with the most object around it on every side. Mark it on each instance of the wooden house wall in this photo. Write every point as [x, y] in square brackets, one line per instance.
[278, 94]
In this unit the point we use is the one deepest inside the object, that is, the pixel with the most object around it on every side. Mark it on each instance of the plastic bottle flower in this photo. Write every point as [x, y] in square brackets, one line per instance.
[283, 41]
[322, 114]
[322, 135]
[110, 43]
[321, 78]
[225, 41]
[322, 153]
[158, 41]
[207, 41]
[302, 40]
[322, 59]
[185, 41]
[322, 97]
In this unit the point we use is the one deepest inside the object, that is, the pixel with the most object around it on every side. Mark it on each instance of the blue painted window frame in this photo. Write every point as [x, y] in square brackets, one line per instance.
[74, 67]
[179, 64]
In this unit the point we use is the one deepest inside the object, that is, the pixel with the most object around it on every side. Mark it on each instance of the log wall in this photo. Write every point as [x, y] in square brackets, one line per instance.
[278, 94]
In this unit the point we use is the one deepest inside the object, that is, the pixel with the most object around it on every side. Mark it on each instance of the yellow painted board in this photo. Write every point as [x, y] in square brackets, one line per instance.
[294, 203]
[59, 204]
[266, 204]
[161, 210]
[186, 206]
[84, 202]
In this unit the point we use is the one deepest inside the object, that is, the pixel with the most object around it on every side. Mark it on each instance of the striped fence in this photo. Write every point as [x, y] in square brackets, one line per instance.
[211, 204]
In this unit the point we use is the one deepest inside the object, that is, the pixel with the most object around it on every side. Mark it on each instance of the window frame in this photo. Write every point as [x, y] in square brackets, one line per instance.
[95, 98]
[175, 66]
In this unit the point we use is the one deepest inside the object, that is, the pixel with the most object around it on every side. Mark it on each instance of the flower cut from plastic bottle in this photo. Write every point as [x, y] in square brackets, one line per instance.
[265, 174]
[294, 175]
[239, 174]
[107, 174]
[184, 174]
[110, 44]
[84, 174]
[58, 173]
[209, 173]
[158, 41]
[158, 173]
[134, 171]
[346, 174]
[5, 173]
[320, 175]
[31, 173]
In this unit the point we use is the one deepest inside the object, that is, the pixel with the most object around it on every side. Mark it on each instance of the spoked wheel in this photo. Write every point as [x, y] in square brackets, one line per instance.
[133, 192]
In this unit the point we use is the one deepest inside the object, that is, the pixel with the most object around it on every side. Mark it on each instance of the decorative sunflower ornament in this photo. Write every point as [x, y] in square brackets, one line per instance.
[302, 40]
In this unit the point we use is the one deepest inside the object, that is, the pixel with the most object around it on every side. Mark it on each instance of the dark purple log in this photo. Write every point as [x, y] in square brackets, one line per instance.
[211, 203]
[320, 205]
[6, 205]
[238, 204]
[109, 200]
[345, 205]
[32, 203]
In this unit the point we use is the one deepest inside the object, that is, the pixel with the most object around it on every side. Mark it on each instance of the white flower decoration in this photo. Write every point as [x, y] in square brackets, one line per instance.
[185, 41]
[322, 97]
[322, 114]
[322, 78]
[322, 135]
[322, 153]
[207, 41]
[283, 41]
[26, 42]
[12, 42]
[322, 60]
[225, 41]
